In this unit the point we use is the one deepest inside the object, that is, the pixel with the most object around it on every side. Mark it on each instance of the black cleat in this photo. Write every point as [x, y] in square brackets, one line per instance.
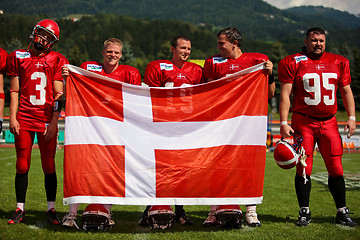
[304, 218]
[18, 217]
[181, 217]
[51, 217]
[343, 218]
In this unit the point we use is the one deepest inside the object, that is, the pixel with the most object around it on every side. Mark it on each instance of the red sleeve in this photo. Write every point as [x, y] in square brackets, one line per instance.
[134, 76]
[209, 69]
[3, 58]
[345, 77]
[200, 76]
[12, 65]
[286, 70]
[152, 75]
[57, 70]
[83, 65]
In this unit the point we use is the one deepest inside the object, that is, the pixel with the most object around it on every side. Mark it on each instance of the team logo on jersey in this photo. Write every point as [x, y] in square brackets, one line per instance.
[301, 58]
[94, 67]
[22, 55]
[39, 64]
[181, 76]
[320, 67]
[234, 67]
[165, 66]
[219, 60]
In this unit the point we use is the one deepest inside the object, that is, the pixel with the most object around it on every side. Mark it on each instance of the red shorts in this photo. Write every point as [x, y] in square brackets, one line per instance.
[23, 144]
[326, 135]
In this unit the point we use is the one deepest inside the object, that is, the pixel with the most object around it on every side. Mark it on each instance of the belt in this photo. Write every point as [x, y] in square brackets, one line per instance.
[316, 118]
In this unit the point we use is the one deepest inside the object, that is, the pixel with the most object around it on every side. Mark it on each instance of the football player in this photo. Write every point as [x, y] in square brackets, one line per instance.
[175, 73]
[3, 57]
[312, 77]
[230, 60]
[36, 90]
[112, 52]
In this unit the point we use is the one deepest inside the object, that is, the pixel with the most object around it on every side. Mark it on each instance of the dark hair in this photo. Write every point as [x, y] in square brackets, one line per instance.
[174, 41]
[315, 30]
[231, 34]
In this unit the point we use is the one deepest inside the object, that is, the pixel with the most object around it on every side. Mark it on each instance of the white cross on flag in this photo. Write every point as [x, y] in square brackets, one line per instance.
[135, 145]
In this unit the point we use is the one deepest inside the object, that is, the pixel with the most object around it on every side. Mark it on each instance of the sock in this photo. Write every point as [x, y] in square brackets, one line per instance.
[306, 208]
[74, 208]
[250, 208]
[51, 186]
[21, 184]
[51, 204]
[341, 209]
[337, 189]
[21, 206]
[302, 190]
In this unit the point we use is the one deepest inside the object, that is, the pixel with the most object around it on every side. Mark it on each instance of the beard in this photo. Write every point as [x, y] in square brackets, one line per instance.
[38, 46]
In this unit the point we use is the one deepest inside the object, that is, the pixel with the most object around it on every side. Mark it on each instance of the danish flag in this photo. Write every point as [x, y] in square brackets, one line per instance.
[134, 145]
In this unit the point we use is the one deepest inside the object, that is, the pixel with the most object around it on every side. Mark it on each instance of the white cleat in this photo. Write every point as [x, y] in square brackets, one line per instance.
[252, 219]
[211, 219]
[69, 220]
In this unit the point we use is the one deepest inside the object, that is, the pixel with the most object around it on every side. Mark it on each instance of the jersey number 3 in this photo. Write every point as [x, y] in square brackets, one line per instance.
[39, 87]
[316, 89]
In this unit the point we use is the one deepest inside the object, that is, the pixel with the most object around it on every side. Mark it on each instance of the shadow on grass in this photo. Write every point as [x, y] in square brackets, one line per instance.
[126, 222]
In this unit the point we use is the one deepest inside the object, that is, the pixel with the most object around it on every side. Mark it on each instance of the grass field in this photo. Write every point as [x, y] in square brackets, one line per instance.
[277, 213]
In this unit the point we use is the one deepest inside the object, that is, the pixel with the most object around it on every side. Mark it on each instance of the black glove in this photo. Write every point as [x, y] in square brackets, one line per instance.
[1, 121]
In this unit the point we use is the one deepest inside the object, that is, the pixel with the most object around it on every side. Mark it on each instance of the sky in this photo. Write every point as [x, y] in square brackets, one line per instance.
[351, 6]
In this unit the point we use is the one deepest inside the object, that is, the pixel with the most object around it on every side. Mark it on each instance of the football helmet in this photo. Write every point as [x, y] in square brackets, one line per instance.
[49, 26]
[229, 216]
[96, 217]
[287, 155]
[161, 217]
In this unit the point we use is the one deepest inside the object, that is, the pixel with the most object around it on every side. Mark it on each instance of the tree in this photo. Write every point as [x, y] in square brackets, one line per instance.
[355, 77]
[277, 53]
[164, 51]
[76, 57]
[127, 57]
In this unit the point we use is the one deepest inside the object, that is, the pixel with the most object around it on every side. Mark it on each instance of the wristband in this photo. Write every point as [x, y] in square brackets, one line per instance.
[2, 96]
[57, 106]
[283, 123]
[1, 119]
[352, 118]
[61, 92]
[12, 90]
[271, 79]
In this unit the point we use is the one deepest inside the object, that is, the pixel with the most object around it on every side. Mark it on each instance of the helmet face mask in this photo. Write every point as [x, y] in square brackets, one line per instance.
[96, 218]
[229, 216]
[45, 34]
[161, 217]
[288, 155]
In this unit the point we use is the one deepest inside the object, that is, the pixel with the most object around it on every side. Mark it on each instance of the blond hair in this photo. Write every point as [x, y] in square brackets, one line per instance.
[113, 41]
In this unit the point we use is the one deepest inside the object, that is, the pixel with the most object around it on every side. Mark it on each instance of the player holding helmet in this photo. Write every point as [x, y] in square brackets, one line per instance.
[313, 76]
[36, 90]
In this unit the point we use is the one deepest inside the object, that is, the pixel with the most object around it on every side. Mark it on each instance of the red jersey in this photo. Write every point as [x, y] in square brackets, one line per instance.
[163, 73]
[3, 57]
[315, 82]
[36, 77]
[217, 67]
[123, 73]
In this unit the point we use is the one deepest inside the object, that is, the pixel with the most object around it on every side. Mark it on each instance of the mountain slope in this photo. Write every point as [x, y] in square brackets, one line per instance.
[255, 19]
